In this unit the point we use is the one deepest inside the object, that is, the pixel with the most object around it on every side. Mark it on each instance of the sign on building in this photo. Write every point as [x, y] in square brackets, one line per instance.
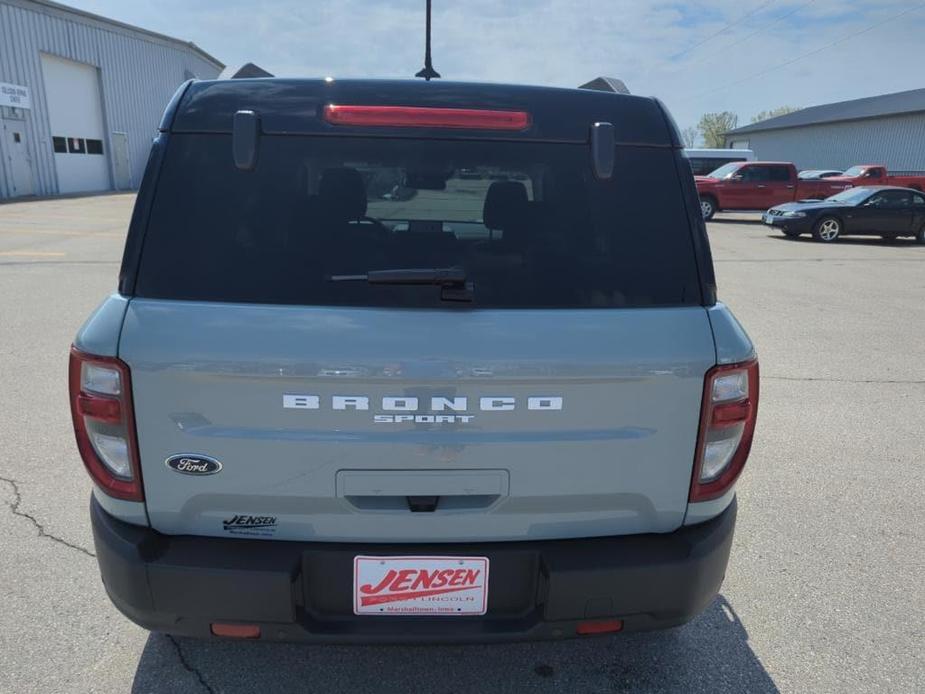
[14, 95]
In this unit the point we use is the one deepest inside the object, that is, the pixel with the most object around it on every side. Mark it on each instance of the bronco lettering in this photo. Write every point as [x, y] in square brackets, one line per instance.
[398, 403]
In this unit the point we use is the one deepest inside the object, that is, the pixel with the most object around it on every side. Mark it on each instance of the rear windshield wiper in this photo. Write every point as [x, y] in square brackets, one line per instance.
[442, 276]
[451, 279]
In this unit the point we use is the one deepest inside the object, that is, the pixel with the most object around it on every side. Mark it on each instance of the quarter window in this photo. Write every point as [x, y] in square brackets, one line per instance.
[891, 200]
[896, 199]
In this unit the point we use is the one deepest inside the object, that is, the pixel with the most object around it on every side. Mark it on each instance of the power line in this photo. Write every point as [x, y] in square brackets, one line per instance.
[728, 26]
[725, 48]
[810, 53]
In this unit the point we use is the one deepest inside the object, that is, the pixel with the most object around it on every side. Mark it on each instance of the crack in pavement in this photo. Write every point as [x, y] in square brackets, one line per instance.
[845, 380]
[14, 507]
[186, 665]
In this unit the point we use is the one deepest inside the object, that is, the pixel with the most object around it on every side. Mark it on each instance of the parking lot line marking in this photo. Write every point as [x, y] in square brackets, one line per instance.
[42, 254]
[60, 232]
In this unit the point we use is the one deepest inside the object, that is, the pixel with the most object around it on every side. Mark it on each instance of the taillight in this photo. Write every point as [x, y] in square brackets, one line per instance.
[104, 423]
[426, 117]
[727, 425]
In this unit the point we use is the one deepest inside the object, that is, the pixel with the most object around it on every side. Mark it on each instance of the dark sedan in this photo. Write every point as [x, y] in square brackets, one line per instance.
[864, 211]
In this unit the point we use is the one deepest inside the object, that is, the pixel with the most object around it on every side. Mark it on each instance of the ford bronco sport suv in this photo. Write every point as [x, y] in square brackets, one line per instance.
[408, 361]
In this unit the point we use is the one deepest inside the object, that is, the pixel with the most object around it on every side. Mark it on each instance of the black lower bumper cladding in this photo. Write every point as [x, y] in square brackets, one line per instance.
[302, 591]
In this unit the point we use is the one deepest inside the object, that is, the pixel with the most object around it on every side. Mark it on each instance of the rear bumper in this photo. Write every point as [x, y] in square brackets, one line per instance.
[302, 591]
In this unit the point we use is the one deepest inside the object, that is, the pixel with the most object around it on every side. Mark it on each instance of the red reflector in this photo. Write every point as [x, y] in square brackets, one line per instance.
[426, 117]
[99, 407]
[730, 414]
[607, 626]
[236, 631]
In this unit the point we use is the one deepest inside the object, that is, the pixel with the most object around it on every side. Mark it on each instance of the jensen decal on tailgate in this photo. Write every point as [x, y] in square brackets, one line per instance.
[420, 585]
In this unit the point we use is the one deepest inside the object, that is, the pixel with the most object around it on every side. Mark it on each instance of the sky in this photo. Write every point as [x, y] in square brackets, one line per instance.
[744, 56]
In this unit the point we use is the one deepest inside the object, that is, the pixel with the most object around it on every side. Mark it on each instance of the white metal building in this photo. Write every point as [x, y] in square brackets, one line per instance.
[81, 97]
[887, 129]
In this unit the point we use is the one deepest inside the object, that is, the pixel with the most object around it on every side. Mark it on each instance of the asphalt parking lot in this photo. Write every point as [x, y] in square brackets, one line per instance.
[825, 590]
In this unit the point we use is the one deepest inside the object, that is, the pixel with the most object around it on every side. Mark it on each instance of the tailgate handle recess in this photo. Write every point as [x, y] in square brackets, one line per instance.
[422, 491]
[422, 504]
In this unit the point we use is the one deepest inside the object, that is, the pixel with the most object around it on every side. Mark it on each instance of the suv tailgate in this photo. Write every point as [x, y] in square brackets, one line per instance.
[613, 456]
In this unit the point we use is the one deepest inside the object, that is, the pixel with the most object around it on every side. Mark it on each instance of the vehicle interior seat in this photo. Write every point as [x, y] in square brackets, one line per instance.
[506, 210]
[342, 197]
[339, 221]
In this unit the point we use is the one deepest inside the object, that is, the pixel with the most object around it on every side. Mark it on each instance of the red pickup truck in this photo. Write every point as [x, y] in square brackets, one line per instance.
[877, 175]
[759, 185]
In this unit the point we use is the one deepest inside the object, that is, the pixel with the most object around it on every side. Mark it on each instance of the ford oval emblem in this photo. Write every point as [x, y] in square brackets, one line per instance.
[193, 464]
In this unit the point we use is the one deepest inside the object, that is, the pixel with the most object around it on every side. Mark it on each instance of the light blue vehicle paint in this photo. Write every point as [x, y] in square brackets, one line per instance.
[129, 511]
[732, 343]
[99, 335]
[210, 379]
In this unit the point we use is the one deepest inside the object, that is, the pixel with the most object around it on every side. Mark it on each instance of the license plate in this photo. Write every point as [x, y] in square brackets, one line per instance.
[767, 219]
[446, 586]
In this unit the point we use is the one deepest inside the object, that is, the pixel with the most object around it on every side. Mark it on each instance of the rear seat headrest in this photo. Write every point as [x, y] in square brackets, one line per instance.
[342, 193]
[505, 201]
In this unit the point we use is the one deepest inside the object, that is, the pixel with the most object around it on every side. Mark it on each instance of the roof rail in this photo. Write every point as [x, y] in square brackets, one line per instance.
[606, 84]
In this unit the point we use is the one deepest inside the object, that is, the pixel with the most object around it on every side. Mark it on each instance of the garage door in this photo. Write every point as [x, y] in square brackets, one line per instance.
[75, 112]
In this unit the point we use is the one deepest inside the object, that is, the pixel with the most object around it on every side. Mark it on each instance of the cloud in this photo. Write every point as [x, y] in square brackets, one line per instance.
[651, 46]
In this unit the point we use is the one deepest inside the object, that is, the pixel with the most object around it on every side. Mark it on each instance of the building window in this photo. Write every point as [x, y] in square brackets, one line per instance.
[59, 144]
[17, 138]
[94, 146]
[76, 145]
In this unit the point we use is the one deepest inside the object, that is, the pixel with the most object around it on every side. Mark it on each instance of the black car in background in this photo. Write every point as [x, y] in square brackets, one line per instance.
[865, 210]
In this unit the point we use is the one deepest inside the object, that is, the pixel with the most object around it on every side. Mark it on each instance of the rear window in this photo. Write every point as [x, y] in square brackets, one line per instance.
[779, 173]
[527, 223]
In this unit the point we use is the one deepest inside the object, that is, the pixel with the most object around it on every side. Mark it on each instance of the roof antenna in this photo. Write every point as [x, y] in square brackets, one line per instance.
[428, 72]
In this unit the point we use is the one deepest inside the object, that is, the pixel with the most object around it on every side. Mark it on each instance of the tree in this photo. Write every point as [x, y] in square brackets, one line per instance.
[690, 135]
[714, 126]
[774, 113]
